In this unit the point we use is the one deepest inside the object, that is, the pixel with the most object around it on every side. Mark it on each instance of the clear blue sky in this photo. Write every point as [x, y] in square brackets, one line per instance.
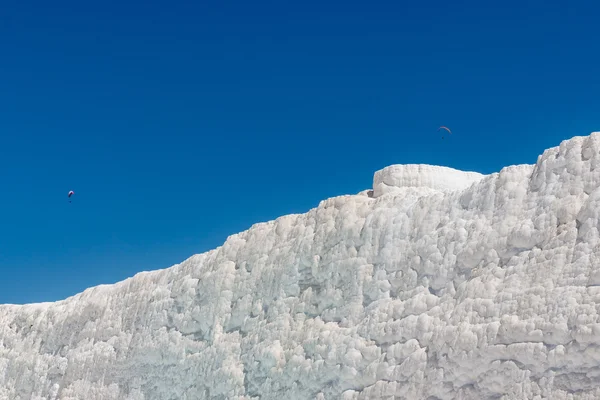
[178, 124]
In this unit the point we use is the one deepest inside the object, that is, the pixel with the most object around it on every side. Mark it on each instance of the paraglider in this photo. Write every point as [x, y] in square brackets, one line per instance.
[445, 128]
[71, 193]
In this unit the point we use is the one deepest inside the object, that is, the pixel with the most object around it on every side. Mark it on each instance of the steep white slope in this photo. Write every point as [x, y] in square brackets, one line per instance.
[437, 285]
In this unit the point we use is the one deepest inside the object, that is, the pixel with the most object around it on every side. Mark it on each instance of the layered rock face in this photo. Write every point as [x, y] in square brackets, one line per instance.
[435, 284]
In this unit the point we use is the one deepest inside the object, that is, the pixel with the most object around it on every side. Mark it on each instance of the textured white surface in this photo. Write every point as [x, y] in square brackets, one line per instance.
[450, 286]
[397, 177]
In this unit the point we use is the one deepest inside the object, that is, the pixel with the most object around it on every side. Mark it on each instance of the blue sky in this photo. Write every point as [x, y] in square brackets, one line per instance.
[178, 124]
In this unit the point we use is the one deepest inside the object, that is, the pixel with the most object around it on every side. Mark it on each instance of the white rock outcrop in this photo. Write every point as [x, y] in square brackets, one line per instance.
[421, 176]
[439, 285]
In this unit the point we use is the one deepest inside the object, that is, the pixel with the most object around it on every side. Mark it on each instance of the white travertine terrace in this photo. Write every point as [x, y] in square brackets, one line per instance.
[438, 284]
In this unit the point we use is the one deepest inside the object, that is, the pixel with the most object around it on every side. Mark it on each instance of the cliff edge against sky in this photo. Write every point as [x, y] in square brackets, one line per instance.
[434, 284]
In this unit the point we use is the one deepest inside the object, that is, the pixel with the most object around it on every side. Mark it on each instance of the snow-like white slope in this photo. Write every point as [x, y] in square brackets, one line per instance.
[437, 284]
